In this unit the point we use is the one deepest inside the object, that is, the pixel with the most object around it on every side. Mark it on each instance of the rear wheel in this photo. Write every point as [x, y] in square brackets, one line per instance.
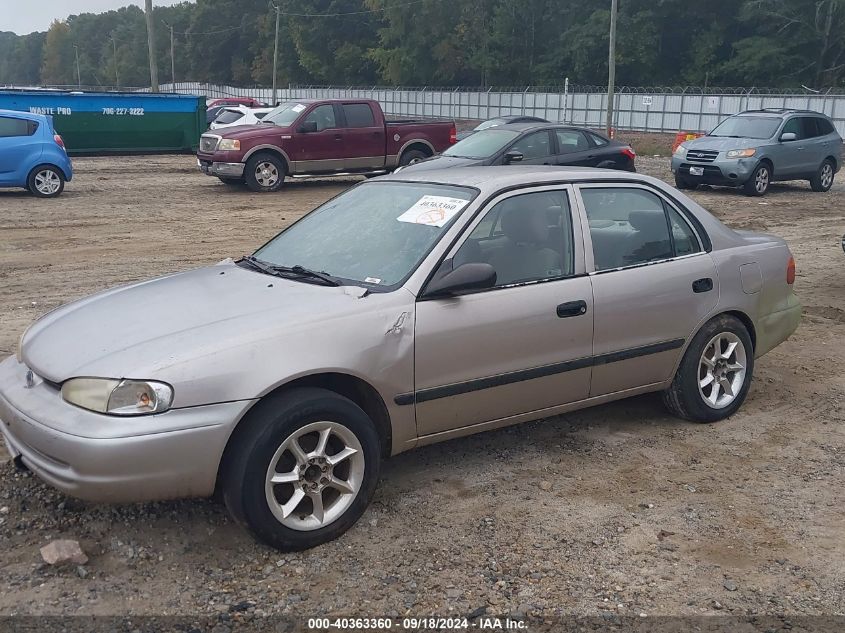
[823, 180]
[411, 157]
[715, 373]
[46, 181]
[303, 469]
[683, 183]
[265, 173]
[759, 182]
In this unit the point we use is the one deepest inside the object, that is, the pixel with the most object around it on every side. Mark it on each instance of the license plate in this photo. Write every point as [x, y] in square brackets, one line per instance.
[696, 171]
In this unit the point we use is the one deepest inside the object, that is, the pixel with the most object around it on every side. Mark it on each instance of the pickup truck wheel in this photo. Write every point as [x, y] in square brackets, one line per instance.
[823, 180]
[715, 373]
[45, 181]
[265, 173]
[303, 469]
[411, 157]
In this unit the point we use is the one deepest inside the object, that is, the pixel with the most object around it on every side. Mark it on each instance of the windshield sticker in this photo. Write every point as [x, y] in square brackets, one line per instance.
[298, 107]
[372, 280]
[433, 211]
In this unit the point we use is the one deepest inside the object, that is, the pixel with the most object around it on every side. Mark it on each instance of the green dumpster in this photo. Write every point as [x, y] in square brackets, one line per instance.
[116, 122]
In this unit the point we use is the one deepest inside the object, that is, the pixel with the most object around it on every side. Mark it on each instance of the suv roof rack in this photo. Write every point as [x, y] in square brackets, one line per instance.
[777, 111]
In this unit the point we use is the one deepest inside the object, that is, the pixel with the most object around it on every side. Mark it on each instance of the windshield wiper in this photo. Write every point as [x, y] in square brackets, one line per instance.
[301, 271]
[288, 271]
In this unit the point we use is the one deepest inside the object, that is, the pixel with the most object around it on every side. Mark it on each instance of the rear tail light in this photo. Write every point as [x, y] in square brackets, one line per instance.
[790, 271]
[453, 135]
[59, 141]
[629, 152]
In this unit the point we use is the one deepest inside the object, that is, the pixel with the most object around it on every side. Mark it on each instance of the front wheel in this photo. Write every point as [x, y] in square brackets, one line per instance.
[715, 373]
[302, 470]
[759, 182]
[46, 181]
[412, 157]
[823, 180]
[265, 173]
[683, 183]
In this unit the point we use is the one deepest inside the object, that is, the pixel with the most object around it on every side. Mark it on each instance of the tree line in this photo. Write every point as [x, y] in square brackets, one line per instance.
[776, 43]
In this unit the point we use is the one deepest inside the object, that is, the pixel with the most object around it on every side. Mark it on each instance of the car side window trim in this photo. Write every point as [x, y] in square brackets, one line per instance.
[588, 241]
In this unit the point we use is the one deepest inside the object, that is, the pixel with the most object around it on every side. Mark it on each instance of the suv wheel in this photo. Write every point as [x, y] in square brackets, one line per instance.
[823, 180]
[683, 183]
[265, 173]
[715, 373]
[759, 182]
[303, 469]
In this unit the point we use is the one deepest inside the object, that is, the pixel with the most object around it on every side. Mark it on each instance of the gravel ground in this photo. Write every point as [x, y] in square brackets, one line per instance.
[618, 509]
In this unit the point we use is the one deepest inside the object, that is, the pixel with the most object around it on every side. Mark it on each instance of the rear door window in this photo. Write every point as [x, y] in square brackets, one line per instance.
[571, 141]
[16, 127]
[358, 115]
[809, 127]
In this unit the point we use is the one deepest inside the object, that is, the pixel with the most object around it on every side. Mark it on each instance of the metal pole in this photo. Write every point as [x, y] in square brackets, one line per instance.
[276, 52]
[611, 62]
[151, 46]
[172, 61]
[78, 75]
[116, 75]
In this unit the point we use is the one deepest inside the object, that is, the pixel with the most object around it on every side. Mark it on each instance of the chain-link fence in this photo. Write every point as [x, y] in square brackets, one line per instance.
[646, 109]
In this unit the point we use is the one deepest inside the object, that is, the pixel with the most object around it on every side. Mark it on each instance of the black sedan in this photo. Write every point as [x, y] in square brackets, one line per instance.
[534, 144]
[500, 120]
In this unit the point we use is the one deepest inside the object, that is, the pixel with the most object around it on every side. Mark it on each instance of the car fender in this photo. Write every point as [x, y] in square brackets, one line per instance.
[272, 148]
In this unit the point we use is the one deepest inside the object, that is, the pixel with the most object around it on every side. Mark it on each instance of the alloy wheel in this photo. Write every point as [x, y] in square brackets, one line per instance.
[266, 174]
[761, 181]
[47, 182]
[827, 175]
[722, 370]
[314, 476]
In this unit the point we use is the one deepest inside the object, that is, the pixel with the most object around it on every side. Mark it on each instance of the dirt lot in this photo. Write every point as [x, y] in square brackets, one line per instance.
[618, 509]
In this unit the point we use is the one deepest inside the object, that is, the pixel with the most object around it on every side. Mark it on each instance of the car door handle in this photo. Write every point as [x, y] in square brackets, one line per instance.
[702, 285]
[338, 137]
[572, 309]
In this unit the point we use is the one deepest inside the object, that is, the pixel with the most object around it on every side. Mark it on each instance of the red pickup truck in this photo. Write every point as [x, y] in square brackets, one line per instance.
[319, 137]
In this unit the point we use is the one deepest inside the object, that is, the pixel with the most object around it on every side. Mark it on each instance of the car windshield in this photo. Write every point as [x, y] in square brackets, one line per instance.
[375, 234]
[747, 127]
[491, 123]
[285, 114]
[483, 144]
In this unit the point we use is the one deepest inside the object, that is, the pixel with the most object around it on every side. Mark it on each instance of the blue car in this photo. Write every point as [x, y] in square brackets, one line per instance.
[32, 155]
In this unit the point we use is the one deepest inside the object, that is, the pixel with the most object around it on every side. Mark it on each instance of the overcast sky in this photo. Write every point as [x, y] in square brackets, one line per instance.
[26, 16]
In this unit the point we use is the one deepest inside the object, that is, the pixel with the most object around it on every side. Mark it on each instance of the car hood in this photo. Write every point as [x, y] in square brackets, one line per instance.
[722, 143]
[257, 130]
[149, 326]
[444, 162]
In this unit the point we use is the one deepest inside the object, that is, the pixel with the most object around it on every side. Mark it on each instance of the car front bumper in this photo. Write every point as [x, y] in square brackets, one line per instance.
[722, 171]
[221, 170]
[104, 458]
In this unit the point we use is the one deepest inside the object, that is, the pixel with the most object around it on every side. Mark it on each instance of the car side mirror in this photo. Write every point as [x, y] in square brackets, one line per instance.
[788, 136]
[513, 157]
[471, 276]
[308, 127]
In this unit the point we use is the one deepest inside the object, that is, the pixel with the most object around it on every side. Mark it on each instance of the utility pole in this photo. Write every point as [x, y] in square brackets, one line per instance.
[611, 75]
[78, 75]
[275, 52]
[116, 75]
[151, 44]
[172, 58]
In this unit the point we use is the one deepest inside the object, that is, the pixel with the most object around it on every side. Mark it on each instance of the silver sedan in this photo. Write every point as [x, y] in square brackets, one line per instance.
[409, 310]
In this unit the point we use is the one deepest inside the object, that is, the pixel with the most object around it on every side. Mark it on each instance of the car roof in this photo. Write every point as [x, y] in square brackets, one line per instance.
[20, 114]
[497, 178]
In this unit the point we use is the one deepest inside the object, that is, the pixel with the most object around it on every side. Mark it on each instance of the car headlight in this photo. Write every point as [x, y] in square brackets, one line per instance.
[741, 153]
[118, 397]
[229, 144]
[681, 150]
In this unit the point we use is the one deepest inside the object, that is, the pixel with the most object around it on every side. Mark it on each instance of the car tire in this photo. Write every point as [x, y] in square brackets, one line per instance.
[46, 181]
[758, 183]
[283, 514]
[720, 355]
[265, 173]
[683, 183]
[823, 180]
[411, 157]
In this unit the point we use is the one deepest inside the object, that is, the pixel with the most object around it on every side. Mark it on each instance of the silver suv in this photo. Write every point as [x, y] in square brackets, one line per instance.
[752, 149]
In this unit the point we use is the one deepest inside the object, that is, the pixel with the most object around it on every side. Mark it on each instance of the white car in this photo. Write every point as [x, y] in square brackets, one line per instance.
[231, 116]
